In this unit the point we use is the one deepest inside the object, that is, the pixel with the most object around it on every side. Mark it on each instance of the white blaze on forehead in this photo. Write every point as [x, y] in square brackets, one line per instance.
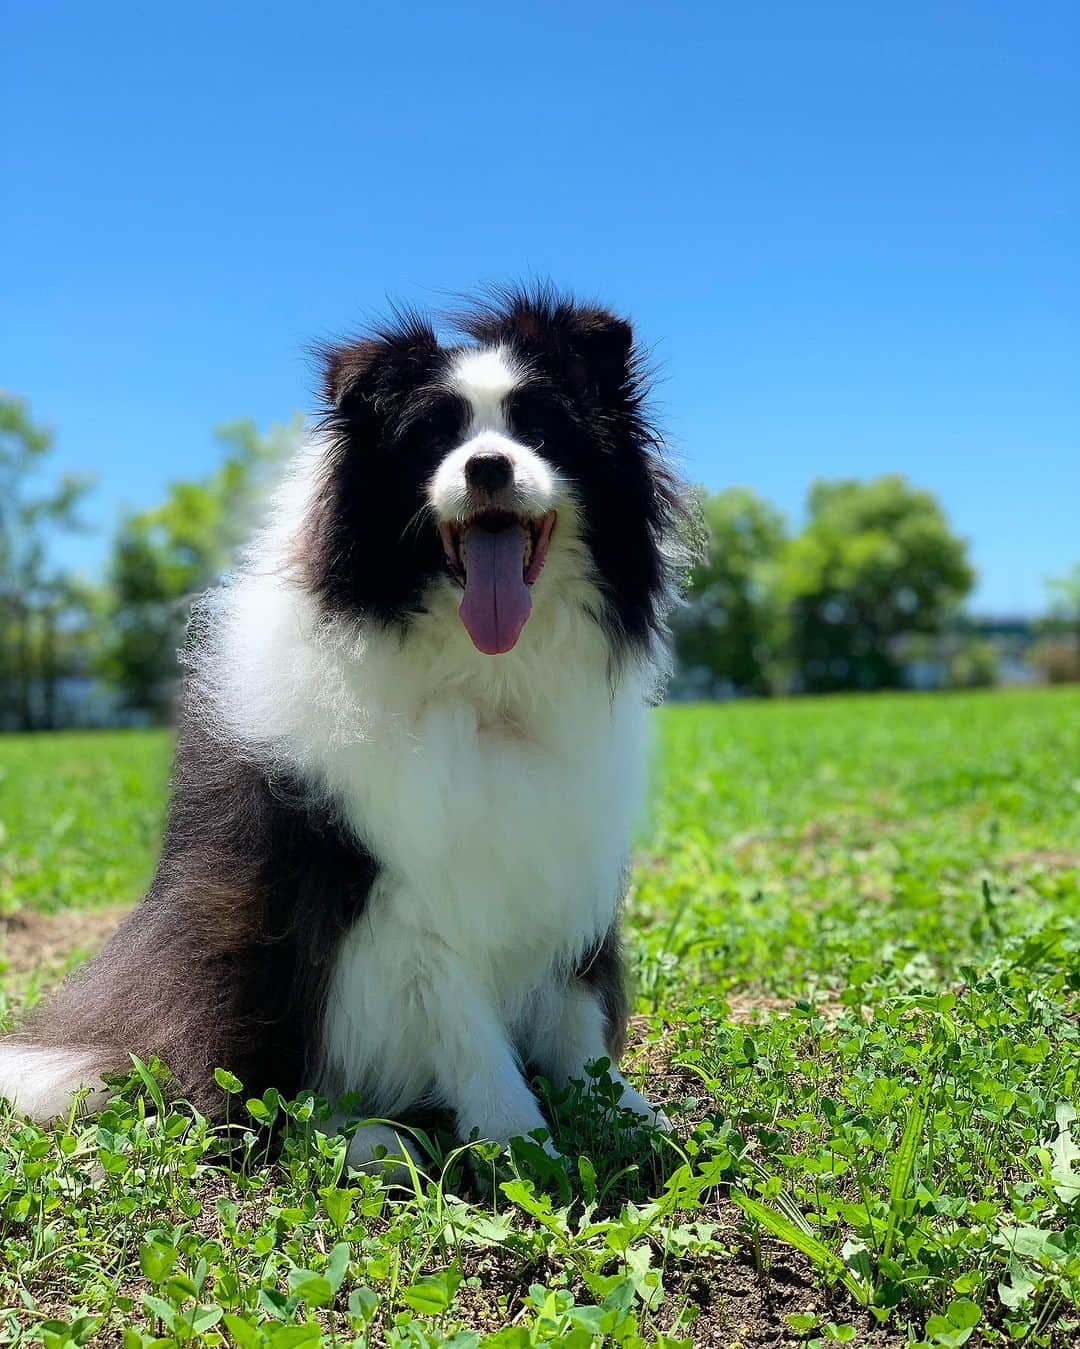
[484, 378]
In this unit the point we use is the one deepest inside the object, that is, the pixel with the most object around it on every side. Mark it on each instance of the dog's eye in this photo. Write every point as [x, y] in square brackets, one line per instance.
[533, 418]
[447, 424]
[437, 422]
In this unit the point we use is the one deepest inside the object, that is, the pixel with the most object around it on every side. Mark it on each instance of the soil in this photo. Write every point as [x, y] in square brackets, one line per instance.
[1048, 859]
[47, 944]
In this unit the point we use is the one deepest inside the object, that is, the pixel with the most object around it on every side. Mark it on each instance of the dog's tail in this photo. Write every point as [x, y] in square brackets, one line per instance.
[42, 1080]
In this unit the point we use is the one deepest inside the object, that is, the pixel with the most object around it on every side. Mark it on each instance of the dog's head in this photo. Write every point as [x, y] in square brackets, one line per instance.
[510, 468]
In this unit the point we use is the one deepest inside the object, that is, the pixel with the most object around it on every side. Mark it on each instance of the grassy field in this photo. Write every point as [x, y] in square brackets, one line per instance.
[855, 929]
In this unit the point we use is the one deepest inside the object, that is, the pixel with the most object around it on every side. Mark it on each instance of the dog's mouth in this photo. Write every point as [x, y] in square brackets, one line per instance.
[495, 557]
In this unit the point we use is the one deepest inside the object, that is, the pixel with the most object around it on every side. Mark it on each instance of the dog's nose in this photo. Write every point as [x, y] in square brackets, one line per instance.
[489, 470]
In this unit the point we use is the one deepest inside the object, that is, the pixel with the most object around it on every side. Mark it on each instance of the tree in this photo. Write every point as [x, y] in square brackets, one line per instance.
[729, 625]
[1057, 655]
[36, 600]
[1064, 594]
[164, 557]
[876, 560]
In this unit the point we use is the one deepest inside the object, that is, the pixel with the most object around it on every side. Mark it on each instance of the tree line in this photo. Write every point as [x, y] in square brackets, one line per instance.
[869, 586]
[843, 603]
[120, 632]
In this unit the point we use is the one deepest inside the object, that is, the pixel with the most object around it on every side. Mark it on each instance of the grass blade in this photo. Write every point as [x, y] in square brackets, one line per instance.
[150, 1083]
[803, 1240]
[904, 1164]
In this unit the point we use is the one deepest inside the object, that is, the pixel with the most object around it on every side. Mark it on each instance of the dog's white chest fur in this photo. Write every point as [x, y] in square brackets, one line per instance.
[502, 833]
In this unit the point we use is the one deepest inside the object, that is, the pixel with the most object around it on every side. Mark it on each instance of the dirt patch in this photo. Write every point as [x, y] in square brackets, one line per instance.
[1048, 858]
[651, 1044]
[47, 943]
[852, 831]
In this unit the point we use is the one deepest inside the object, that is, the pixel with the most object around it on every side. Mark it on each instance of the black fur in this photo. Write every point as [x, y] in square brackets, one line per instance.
[604, 970]
[369, 548]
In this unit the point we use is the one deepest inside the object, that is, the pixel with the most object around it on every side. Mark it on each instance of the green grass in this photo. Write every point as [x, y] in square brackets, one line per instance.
[80, 817]
[855, 927]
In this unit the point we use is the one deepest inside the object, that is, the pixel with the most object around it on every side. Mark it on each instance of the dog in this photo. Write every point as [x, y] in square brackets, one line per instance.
[411, 746]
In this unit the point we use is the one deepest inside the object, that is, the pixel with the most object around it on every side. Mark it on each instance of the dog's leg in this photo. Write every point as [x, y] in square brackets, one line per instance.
[478, 1075]
[379, 1149]
[577, 1034]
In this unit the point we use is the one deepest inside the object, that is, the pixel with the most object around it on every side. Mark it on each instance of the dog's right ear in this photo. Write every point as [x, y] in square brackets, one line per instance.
[345, 368]
[372, 366]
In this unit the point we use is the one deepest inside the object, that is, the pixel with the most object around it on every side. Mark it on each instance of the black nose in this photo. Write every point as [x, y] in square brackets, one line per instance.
[489, 471]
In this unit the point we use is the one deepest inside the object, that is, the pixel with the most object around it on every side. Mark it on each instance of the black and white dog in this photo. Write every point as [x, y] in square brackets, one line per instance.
[411, 748]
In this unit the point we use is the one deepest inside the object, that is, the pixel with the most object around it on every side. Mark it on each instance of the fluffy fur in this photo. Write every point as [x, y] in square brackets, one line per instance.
[393, 864]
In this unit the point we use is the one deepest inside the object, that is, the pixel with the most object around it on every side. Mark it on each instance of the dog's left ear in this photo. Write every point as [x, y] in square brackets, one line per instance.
[597, 351]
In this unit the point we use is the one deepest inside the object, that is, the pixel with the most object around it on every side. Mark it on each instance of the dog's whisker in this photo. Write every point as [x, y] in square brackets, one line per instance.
[419, 517]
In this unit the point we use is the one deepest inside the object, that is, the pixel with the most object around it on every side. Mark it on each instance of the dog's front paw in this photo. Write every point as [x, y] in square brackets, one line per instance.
[488, 1166]
[649, 1114]
[547, 1145]
[507, 1141]
[379, 1150]
[509, 1124]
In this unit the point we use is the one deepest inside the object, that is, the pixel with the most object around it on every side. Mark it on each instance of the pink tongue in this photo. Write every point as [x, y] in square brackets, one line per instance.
[497, 602]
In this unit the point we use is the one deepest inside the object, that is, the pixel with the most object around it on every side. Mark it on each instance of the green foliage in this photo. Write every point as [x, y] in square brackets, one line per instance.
[730, 625]
[1065, 598]
[1057, 655]
[855, 928]
[973, 664]
[80, 817]
[42, 611]
[875, 561]
[828, 609]
[164, 557]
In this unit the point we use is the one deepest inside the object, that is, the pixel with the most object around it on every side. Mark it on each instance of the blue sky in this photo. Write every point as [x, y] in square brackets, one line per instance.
[849, 231]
